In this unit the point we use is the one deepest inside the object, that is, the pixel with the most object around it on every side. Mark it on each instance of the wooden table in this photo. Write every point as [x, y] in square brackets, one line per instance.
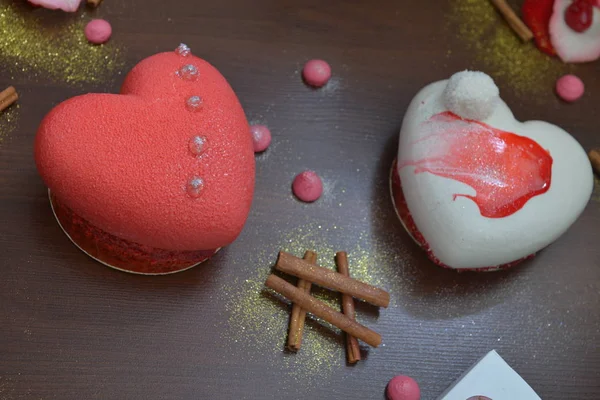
[71, 328]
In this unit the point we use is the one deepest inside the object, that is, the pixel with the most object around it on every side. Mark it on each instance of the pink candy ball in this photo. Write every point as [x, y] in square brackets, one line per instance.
[98, 31]
[261, 137]
[316, 73]
[307, 186]
[403, 387]
[569, 88]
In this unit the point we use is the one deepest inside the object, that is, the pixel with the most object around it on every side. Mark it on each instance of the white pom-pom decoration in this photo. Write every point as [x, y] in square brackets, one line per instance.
[471, 95]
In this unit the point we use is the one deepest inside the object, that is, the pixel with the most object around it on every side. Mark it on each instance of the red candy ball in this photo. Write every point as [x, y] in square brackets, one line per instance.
[579, 14]
[307, 186]
[261, 137]
[316, 73]
[403, 387]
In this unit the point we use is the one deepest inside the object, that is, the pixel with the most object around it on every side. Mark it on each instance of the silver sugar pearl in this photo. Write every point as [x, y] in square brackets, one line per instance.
[188, 72]
[194, 187]
[193, 103]
[197, 145]
[183, 50]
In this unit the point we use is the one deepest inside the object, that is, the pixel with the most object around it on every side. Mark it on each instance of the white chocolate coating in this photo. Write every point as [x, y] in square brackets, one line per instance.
[457, 233]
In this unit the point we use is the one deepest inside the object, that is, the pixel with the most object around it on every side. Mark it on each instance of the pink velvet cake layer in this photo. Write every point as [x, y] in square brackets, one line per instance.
[120, 253]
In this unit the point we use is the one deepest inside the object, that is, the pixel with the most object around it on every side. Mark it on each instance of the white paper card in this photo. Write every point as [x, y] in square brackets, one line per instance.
[492, 377]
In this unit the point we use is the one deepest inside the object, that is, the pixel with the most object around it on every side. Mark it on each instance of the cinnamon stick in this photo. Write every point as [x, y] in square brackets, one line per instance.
[298, 313]
[7, 97]
[322, 310]
[94, 3]
[594, 156]
[352, 348]
[330, 279]
[513, 20]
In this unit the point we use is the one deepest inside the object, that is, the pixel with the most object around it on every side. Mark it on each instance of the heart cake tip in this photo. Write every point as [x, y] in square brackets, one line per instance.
[157, 178]
[476, 188]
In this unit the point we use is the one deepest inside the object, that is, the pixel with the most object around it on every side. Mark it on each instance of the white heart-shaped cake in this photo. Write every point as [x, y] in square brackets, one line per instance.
[477, 189]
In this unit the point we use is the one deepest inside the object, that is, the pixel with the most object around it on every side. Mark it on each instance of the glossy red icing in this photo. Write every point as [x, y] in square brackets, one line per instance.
[579, 15]
[410, 226]
[537, 14]
[505, 169]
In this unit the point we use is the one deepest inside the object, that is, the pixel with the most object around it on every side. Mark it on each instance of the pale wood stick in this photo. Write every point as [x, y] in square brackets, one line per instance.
[7, 97]
[298, 313]
[513, 20]
[594, 156]
[330, 279]
[352, 348]
[322, 310]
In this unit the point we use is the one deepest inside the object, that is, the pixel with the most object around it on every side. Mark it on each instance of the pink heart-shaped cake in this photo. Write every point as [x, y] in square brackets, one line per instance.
[478, 189]
[156, 178]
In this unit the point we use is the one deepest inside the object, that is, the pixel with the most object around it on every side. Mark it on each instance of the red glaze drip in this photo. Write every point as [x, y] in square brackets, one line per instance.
[505, 169]
[405, 216]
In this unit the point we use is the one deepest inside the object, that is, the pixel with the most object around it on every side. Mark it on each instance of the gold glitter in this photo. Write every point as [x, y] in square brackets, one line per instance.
[32, 48]
[8, 121]
[500, 53]
[260, 317]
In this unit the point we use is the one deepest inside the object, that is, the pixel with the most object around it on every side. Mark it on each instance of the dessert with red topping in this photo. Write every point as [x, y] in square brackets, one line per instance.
[157, 178]
[477, 189]
[567, 28]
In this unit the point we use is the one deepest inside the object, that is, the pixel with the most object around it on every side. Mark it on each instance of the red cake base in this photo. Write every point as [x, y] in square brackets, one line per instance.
[409, 224]
[119, 253]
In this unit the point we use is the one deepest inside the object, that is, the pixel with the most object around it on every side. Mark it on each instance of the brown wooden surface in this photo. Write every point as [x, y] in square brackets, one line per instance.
[71, 328]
